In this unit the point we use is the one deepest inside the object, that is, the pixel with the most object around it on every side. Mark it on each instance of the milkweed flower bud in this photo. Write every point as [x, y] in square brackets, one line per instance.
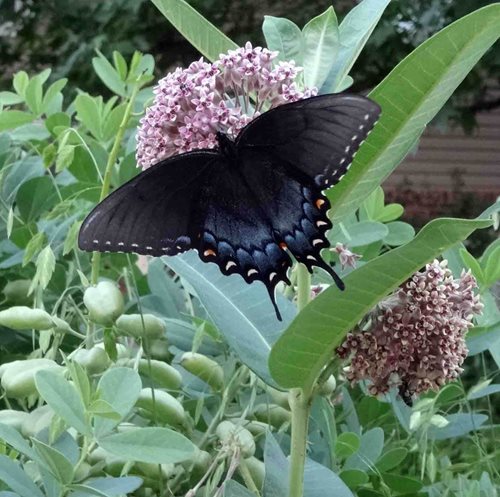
[191, 105]
[417, 337]
[346, 257]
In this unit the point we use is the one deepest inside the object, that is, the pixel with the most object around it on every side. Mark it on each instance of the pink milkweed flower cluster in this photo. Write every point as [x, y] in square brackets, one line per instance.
[417, 337]
[191, 105]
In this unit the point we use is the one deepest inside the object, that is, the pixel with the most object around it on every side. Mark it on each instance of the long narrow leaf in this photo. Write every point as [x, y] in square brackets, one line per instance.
[354, 32]
[284, 36]
[201, 33]
[321, 44]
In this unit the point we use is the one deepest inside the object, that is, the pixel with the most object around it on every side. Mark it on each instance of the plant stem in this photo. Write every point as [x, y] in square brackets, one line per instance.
[303, 286]
[113, 155]
[300, 403]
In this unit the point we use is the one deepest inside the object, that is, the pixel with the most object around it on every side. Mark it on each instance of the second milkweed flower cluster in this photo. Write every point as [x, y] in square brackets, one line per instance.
[417, 338]
[191, 105]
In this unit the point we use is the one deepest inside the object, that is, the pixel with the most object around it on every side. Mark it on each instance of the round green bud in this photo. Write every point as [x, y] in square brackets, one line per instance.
[82, 472]
[229, 433]
[138, 326]
[204, 368]
[37, 420]
[257, 470]
[94, 360]
[329, 386]
[18, 377]
[273, 414]
[104, 302]
[257, 428]
[162, 374]
[168, 409]
[158, 349]
[12, 418]
[17, 292]
[198, 465]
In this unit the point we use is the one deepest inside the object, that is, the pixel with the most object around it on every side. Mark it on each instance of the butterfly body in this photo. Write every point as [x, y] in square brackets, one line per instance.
[247, 205]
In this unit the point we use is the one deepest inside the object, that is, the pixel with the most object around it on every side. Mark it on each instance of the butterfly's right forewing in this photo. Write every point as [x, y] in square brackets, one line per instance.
[318, 136]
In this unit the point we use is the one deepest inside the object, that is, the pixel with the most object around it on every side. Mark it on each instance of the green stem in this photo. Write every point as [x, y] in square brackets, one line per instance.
[300, 403]
[303, 286]
[113, 156]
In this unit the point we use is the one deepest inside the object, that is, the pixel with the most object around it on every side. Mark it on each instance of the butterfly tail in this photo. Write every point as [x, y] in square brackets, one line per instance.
[272, 295]
[323, 265]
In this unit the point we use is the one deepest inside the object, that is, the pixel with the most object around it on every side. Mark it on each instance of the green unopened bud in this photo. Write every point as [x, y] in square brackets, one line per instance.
[229, 433]
[329, 386]
[204, 368]
[198, 465]
[121, 351]
[162, 374]
[138, 326]
[257, 470]
[257, 428]
[26, 318]
[155, 471]
[272, 414]
[167, 408]
[17, 292]
[104, 302]
[18, 377]
[94, 360]
[111, 463]
[37, 420]
[12, 418]
[60, 325]
[158, 349]
[98, 455]
[279, 397]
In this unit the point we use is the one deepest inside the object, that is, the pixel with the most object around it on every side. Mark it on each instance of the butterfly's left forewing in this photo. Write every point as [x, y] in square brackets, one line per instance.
[152, 213]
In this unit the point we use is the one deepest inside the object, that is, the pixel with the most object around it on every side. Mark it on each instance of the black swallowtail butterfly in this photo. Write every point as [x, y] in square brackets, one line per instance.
[248, 204]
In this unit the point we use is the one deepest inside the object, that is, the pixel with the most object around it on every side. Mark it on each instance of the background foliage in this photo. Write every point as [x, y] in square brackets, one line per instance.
[35, 35]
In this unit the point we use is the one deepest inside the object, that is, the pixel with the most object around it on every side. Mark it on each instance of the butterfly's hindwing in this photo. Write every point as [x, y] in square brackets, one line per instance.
[236, 232]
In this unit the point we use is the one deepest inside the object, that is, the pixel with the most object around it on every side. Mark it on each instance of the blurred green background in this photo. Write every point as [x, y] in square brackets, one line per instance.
[63, 35]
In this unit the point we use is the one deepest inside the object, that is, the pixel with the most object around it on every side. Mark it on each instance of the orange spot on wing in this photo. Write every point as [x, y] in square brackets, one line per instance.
[209, 252]
[319, 203]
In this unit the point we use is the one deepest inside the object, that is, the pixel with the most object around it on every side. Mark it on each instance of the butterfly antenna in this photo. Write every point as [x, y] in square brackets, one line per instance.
[323, 265]
[272, 295]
